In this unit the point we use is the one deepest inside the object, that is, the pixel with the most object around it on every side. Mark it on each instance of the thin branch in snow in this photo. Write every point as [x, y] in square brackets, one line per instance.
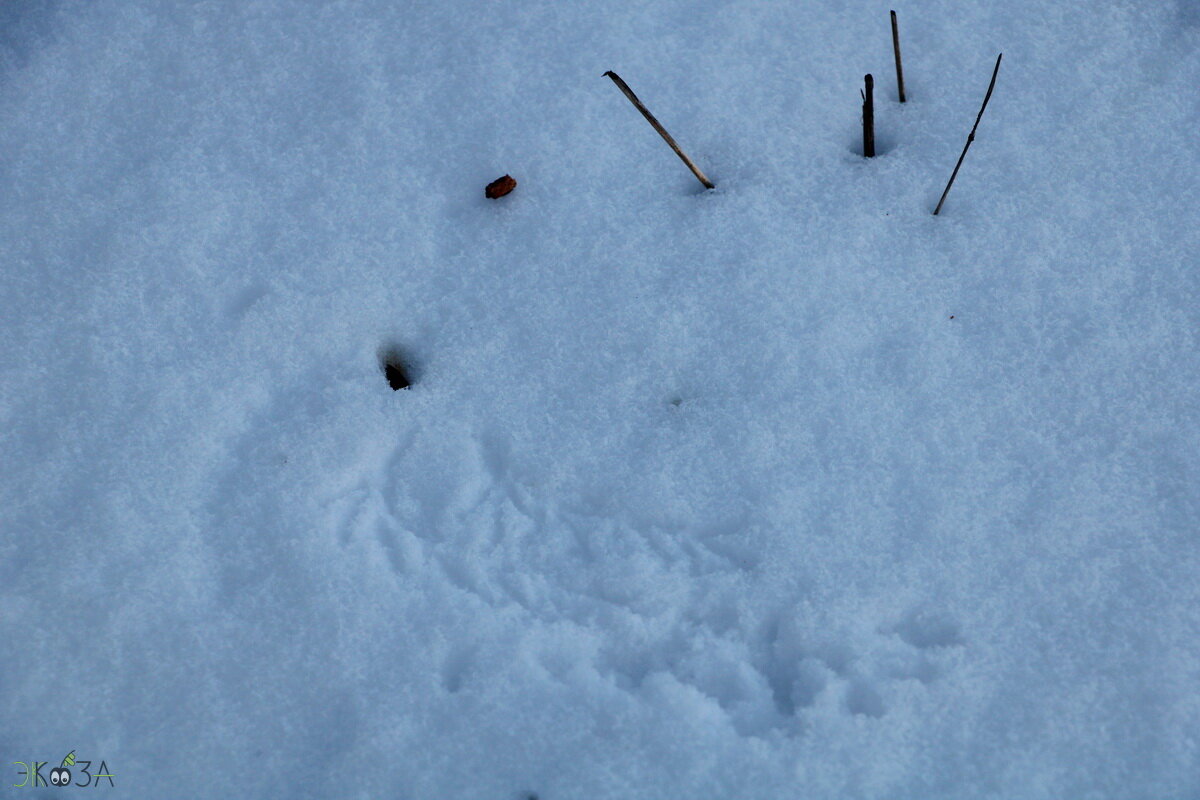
[899, 66]
[624, 87]
[868, 117]
[971, 137]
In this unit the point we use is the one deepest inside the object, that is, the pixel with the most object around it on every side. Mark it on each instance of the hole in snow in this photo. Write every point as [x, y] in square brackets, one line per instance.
[925, 628]
[861, 698]
[884, 144]
[395, 366]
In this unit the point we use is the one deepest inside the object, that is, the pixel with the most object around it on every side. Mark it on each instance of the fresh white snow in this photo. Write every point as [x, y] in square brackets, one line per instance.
[787, 489]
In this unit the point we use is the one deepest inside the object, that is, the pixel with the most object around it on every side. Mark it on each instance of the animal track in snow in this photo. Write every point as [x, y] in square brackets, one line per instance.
[802, 666]
[457, 666]
[924, 628]
[861, 698]
[464, 509]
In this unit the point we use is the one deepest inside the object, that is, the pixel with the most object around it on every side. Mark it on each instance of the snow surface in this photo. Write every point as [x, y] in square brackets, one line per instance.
[788, 489]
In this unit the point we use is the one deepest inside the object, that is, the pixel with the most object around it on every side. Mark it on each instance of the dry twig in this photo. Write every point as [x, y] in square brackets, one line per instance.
[971, 137]
[624, 87]
[899, 67]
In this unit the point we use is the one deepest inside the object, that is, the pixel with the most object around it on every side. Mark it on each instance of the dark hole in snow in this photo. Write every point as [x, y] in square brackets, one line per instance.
[396, 377]
[397, 372]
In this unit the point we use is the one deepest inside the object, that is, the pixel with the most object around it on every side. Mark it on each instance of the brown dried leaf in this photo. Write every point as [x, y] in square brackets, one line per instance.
[500, 187]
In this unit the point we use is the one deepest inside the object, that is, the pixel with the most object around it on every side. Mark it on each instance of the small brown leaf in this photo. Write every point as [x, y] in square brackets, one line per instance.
[500, 187]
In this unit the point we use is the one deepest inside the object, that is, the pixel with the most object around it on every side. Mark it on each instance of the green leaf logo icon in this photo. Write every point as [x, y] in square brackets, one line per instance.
[69, 761]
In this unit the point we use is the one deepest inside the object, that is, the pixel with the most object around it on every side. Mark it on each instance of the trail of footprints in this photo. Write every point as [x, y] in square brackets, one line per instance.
[488, 535]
